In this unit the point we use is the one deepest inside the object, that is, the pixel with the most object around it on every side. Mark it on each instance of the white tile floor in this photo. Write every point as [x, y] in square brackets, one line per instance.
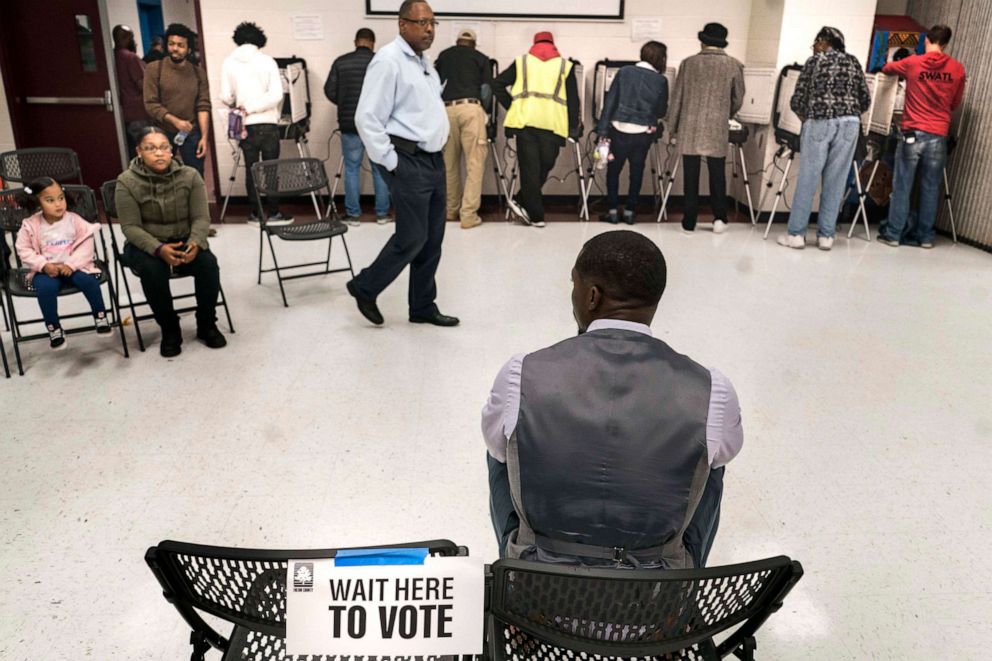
[864, 376]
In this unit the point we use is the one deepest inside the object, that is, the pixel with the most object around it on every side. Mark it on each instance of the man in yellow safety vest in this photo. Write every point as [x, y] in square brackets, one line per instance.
[543, 111]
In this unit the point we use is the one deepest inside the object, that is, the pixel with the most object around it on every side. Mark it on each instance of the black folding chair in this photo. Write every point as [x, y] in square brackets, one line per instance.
[541, 611]
[289, 178]
[16, 283]
[3, 353]
[107, 191]
[23, 165]
[246, 587]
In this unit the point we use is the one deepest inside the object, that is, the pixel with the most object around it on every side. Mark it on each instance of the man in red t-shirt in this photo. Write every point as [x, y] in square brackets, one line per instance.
[934, 87]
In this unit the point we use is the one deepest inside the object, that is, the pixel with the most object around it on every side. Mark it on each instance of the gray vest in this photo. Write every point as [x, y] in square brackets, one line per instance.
[608, 459]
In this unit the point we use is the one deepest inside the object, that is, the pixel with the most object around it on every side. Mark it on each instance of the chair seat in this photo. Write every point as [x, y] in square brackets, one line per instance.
[20, 285]
[321, 229]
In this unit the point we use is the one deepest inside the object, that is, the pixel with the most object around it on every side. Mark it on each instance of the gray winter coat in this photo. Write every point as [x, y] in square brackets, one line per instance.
[709, 91]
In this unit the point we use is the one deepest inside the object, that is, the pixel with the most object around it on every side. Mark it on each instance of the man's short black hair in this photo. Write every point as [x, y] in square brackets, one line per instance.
[407, 4]
[249, 33]
[180, 30]
[939, 34]
[628, 266]
[365, 34]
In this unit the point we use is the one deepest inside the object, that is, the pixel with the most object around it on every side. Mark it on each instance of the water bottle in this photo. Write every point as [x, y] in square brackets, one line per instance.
[602, 154]
[180, 138]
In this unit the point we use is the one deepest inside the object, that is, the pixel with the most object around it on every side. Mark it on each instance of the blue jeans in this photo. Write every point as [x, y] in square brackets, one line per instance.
[827, 151]
[354, 151]
[187, 151]
[48, 288]
[929, 152]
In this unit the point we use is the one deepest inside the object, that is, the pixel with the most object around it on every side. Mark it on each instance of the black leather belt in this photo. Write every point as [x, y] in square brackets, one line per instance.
[615, 553]
[458, 102]
[407, 146]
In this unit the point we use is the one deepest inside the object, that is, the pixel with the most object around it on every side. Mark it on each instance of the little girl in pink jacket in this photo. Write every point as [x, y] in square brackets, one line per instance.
[57, 246]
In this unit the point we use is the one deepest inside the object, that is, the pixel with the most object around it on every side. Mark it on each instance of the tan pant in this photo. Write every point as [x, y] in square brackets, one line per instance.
[468, 137]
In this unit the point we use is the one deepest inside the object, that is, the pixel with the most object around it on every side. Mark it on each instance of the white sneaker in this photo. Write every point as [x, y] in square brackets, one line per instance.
[538, 223]
[824, 242]
[792, 241]
[719, 227]
[518, 211]
[383, 220]
[927, 244]
[353, 221]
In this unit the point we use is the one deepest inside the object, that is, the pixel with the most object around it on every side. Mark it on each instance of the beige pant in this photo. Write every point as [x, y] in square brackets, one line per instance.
[468, 137]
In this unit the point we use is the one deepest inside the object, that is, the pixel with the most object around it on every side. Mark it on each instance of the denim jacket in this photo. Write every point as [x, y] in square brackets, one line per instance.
[638, 95]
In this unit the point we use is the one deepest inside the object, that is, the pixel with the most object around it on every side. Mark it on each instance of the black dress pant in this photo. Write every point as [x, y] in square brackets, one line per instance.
[537, 151]
[154, 275]
[262, 141]
[690, 187]
[632, 148]
[417, 188]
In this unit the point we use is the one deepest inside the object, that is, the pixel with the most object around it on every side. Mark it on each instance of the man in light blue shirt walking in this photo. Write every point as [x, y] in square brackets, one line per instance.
[403, 125]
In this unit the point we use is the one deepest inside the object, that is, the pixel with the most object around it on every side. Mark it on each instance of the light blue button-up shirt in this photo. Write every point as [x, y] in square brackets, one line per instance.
[401, 96]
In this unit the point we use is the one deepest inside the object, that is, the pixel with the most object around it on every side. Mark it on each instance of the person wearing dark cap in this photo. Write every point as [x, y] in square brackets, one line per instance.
[709, 90]
[343, 88]
[543, 111]
[608, 448]
[830, 96]
[467, 78]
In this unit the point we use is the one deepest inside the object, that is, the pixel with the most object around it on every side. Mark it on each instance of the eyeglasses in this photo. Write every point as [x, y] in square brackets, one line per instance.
[424, 22]
[150, 148]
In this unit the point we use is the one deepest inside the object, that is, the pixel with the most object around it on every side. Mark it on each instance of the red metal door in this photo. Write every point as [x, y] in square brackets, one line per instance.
[57, 83]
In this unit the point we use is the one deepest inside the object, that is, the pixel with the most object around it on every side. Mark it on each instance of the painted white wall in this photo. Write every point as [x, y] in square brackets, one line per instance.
[898, 7]
[179, 11]
[503, 40]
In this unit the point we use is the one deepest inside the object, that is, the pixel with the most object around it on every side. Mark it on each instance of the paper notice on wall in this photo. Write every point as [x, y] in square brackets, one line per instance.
[308, 27]
[645, 28]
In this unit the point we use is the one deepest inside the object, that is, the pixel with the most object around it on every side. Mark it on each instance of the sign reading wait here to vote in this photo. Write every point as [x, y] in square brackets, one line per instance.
[433, 608]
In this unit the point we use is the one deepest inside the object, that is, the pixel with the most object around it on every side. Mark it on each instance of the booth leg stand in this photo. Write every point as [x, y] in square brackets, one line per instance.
[230, 184]
[584, 186]
[501, 191]
[334, 189]
[862, 193]
[747, 185]
[668, 189]
[657, 179]
[779, 193]
[862, 212]
[950, 209]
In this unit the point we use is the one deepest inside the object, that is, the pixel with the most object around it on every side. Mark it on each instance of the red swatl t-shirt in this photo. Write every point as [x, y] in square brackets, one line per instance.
[934, 87]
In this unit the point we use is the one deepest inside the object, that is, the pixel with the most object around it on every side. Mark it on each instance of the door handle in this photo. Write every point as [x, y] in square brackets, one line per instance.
[106, 100]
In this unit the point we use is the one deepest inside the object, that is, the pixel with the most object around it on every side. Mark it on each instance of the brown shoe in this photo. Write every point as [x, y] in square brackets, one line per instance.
[468, 226]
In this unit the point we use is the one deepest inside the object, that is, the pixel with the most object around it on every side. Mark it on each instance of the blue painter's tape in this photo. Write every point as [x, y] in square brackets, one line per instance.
[366, 557]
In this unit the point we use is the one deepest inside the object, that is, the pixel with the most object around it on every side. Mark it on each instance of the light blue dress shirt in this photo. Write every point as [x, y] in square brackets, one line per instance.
[401, 96]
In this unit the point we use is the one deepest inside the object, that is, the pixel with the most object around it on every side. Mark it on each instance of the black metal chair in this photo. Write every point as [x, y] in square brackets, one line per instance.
[288, 178]
[3, 354]
[246, 587]
[23, 165]
[107, 191]
[16, 284]
[542, 611]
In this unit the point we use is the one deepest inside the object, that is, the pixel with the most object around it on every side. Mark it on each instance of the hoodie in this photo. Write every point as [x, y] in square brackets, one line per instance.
[250, 79]
[934, 87]
[81, 253]
[153, 209]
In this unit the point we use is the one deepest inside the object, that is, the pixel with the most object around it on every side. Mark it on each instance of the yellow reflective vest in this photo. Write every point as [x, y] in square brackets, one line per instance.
[539, 95]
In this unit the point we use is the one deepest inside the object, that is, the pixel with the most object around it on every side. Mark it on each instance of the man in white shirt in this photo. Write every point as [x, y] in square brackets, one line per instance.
[250, 82]
[608, 448]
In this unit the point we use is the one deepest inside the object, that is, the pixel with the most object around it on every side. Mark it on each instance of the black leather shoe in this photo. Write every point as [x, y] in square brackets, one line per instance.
[172, 343]
[367, 307]
[211, 337]
[435, 318]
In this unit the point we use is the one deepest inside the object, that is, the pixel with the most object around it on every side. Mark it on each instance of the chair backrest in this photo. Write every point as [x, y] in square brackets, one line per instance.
[244, 586]
[12, 214]
[292, 176]
[539, 610]
[23, 165]
[107, 192]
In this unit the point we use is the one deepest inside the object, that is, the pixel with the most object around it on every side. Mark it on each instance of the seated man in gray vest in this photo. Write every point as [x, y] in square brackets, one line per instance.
[608, 448]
